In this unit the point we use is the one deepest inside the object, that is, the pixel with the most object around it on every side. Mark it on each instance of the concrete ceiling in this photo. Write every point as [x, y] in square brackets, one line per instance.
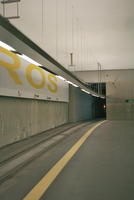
[93, 30]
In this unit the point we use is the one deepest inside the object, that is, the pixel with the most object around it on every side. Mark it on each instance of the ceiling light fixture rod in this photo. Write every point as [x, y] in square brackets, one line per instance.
[71, 59]
[3, 8]
[99, 78]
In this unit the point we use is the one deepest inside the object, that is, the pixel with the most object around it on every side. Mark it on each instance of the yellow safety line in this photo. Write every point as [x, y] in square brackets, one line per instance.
[39, 189]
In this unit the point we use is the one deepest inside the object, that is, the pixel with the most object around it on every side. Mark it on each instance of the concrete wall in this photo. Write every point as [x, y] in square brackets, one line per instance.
[106, 75]
[119, 88]
[22, 118]
[80, 105]
[117, 94]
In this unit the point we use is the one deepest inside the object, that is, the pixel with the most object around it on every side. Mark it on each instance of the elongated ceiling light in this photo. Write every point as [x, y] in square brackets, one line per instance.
[6, 46]
[85, 91]
[95, 95]
[72, 84]
[60, 77]
[30, 60]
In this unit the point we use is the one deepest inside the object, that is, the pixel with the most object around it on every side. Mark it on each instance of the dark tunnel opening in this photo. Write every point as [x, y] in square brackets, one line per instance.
[98, 104]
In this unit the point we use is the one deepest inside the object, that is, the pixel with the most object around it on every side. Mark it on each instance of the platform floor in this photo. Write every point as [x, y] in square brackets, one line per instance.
[102, 169]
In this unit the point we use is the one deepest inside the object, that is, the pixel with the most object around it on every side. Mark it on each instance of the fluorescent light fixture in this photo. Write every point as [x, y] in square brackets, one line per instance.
[69, 82]
[6, 46]
[29, 59]
[75, 85]
[95, 95]
[72, 84]
[60, 77]
[85, 91]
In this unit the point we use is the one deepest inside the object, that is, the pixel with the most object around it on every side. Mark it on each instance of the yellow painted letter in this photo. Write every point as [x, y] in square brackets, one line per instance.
[52, 79]
[11, 67]
[29, 70]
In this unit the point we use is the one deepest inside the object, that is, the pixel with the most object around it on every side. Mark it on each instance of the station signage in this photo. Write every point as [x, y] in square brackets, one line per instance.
[20, 78]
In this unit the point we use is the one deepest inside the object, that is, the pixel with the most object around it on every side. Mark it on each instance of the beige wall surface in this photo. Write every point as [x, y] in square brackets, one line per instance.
[117, 95]
[106, 75]
[22, 118]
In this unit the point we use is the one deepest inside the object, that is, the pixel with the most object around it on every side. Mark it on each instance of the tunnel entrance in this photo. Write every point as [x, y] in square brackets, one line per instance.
[98, 104]
[98, 108]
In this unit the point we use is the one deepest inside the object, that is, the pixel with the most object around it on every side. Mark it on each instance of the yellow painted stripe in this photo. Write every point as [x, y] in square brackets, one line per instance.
[37, 192]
